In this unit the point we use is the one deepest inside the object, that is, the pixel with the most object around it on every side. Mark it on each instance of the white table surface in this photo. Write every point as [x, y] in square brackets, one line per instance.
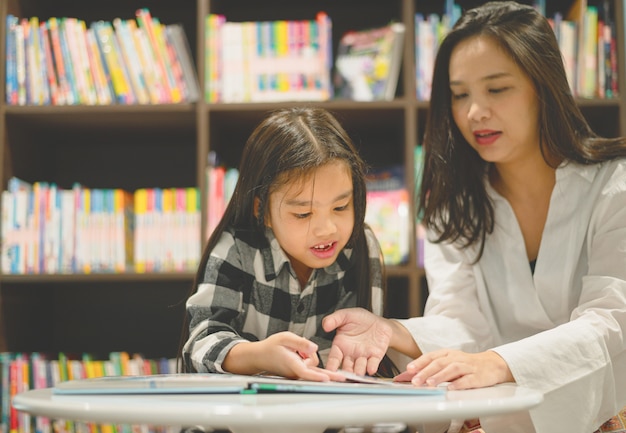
[277, 413]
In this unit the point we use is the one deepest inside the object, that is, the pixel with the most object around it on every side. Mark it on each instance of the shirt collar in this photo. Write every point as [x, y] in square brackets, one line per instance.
[275, 259]
[567, 168]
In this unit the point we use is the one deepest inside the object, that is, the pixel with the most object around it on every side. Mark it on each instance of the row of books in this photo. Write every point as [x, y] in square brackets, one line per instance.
[221, 183]
[261, 61]
[21, 372]
[587, 38]
[64, 61]
[49, 230]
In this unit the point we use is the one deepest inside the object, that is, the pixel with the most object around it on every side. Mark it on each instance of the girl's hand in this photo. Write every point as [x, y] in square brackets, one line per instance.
[361, 341]
[463, 370]
[284, 354]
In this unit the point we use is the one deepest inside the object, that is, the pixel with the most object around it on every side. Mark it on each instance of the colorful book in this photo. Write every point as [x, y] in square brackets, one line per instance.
[11, 87]
[131, 60]
[388, 216]
[66, 95]
[176, 34]
[368, 63]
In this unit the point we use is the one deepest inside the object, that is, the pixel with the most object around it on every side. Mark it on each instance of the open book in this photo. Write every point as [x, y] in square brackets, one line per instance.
[215, 383]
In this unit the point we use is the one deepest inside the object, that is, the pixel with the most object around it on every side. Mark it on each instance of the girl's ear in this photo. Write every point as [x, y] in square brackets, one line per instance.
[257, 205]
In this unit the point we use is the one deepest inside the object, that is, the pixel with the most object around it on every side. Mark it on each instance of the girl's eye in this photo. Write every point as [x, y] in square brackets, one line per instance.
[302, 215]
[342, 208]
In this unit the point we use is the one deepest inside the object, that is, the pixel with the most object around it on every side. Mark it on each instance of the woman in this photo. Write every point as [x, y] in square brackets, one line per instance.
[525, 209]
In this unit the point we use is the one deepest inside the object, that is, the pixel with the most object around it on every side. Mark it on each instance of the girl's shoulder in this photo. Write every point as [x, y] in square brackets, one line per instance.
[242, 240]
[372, 242]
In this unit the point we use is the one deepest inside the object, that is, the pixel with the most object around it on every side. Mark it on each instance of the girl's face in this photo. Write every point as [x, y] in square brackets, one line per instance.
[313, 218]
[494, 103]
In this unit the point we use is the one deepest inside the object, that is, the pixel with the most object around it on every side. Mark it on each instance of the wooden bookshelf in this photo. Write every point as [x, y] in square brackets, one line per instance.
[136, 146]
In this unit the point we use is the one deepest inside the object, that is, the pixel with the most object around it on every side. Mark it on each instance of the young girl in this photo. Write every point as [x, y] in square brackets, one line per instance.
[291, 248]
[526, 215]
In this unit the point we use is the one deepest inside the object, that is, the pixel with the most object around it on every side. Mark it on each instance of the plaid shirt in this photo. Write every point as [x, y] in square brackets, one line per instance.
[250, 291]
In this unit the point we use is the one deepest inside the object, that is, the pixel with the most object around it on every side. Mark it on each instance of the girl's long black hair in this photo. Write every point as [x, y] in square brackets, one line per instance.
[287, 145]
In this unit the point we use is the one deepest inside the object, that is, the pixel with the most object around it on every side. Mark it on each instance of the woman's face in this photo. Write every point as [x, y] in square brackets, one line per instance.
[313, 218]
[494, 103]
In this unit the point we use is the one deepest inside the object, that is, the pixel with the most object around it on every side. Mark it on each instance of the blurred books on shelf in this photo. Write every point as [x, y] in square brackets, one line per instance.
[368, 63]
[21, 371]
[51, 230]
[268, 61]
[387, 212]
[65, 61]
[586, 35]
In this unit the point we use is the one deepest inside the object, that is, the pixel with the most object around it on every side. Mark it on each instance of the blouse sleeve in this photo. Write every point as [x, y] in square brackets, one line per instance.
[214, 306]
[452, 316]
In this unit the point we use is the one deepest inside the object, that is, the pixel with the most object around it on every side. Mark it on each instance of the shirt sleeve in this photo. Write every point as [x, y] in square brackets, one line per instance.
[212, 309]
[452, 315]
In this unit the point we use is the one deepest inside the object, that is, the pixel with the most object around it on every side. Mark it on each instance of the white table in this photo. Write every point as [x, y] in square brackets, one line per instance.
[277, 413]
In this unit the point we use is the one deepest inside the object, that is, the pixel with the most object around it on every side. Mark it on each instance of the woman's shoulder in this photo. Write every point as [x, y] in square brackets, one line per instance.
[614, 173]
[609, 171]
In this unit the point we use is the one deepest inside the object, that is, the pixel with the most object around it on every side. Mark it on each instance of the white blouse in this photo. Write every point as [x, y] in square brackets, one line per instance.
[562, 330]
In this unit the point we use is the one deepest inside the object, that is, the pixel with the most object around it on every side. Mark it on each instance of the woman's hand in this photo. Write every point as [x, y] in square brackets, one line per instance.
[284, 354]
[463, 370]
[361, 341]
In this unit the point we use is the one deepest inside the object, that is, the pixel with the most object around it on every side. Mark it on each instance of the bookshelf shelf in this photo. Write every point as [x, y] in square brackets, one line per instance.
[148, 146]
[45, 279]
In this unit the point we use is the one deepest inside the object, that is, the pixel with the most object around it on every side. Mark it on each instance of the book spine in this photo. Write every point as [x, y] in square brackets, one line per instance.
[170, 68]
[107, 80]
[106, 40]
[20, 61]
[80, 33]
[141, 204]
[145, 22]
[103, 94]
[65, 93]
[11, 86]
[51, 75]
[183, 53]
[131, 60]
[68, 62]
[174, 63]
[145, 62]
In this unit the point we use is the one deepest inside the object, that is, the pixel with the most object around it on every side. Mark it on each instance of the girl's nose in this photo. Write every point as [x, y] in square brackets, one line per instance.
[324, 227]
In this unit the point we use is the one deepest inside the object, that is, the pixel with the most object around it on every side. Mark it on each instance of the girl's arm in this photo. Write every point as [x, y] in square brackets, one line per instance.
[214, 308]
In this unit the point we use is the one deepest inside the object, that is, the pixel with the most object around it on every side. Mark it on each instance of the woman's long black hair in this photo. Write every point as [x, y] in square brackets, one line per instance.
[453, 201]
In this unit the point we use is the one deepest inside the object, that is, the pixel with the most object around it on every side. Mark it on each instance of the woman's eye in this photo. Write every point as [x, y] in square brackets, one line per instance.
[498, 90]
[302, 215]
[457, 96]
[342, 208]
